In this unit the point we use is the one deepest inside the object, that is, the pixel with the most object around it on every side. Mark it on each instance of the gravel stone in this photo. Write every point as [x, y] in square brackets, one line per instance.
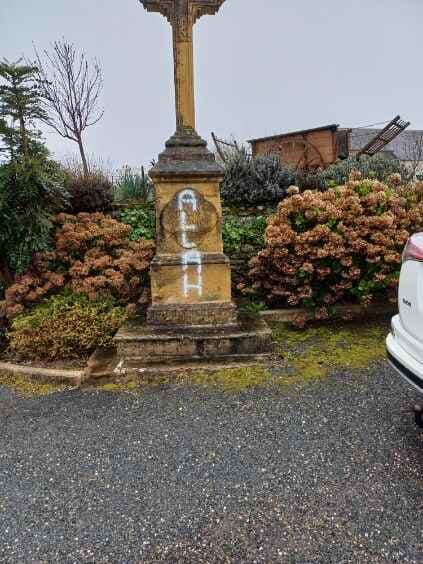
[329, 472]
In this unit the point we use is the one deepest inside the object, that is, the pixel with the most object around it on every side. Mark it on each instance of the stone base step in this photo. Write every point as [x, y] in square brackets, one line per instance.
[104, 367]
[140, 344]
[155, 372]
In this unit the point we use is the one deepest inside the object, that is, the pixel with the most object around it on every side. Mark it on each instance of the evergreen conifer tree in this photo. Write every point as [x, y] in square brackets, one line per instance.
[20, 107]
[31, 185]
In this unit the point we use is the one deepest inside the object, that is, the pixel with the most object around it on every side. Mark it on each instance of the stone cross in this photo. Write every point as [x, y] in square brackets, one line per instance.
[182, 15]
[192, 317]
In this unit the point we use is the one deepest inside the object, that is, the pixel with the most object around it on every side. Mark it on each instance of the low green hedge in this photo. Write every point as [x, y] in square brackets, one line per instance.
[65, 326]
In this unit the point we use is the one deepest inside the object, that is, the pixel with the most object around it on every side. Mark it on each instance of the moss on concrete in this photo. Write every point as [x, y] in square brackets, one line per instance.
[28, 387]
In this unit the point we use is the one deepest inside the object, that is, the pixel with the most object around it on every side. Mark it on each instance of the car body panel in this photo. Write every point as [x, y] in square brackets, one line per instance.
[404, 363]
[405, 342]
[410, 298]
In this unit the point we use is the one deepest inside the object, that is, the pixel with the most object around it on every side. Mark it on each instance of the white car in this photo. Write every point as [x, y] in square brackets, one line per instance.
[405, 342]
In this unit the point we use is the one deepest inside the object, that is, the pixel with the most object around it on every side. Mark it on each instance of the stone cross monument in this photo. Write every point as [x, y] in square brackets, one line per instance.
[182, 15]
[191, 282]
[191, 318]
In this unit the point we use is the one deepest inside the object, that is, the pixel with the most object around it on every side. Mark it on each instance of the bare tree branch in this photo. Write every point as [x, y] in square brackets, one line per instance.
[71, 87]
[414, 154]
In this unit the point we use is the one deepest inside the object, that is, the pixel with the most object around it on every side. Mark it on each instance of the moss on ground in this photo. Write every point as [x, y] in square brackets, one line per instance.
[28, 387]
[304, 355]
[228, 380]
[130, 387]
[316, 352]
[232, 379]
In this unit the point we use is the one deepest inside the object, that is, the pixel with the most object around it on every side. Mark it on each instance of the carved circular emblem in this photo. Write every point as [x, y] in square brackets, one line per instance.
[189, 217]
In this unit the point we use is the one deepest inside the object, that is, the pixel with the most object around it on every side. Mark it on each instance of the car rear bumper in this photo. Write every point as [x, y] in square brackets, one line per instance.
[402, 361]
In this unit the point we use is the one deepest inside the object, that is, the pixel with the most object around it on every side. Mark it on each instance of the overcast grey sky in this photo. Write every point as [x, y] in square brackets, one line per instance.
[262, 66]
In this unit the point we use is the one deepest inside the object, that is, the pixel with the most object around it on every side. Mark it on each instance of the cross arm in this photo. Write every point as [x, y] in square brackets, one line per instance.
[171, 9]
[205, 8]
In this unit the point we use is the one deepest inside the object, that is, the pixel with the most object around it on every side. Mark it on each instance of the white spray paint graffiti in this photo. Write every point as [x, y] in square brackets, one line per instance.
[192, 259]
[186, 199]
[188, 202]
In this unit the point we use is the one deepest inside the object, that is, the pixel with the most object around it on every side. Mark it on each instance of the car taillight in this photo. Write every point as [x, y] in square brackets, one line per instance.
[414, 248]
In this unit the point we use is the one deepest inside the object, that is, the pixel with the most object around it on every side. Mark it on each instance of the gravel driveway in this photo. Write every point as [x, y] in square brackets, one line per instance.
[330, 472]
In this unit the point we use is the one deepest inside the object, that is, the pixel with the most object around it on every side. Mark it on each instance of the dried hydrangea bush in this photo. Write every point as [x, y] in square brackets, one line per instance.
[342, 245]
[92, 256]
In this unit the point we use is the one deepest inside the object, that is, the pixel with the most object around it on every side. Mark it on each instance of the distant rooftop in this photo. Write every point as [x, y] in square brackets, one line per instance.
[332, 127]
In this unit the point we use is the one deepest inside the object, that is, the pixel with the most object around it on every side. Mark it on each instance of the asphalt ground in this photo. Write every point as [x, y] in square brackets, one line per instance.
[330, 471]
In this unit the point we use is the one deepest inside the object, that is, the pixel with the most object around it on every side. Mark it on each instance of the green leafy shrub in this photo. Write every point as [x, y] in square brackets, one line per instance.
[142, 219]
[31, 190]
[243, 238]
[253, 308]
[89, 193]
[133, 186]
[242, 232]
[344, 244]
[3, 324]
[31, 185]
[375, 168]
[65, 326]
[254, 181]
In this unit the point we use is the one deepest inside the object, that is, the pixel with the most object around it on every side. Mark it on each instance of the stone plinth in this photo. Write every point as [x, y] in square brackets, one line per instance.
[190, 275]
[143, 346]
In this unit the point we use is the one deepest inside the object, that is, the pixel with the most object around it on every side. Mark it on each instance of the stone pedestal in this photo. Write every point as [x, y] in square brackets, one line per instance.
[142, 348]
[191, 320]
[190, 275]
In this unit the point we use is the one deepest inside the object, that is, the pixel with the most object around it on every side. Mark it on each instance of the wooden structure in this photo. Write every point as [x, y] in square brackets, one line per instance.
[318, 148]
[384, 137]
[309, 149]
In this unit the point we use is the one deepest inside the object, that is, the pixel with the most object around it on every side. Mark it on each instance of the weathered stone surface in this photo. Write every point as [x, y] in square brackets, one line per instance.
[210, 314]
[186, 154]
[190, 267]
[69, 377]
[182, 15]
[192, 317]
[142, 345]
